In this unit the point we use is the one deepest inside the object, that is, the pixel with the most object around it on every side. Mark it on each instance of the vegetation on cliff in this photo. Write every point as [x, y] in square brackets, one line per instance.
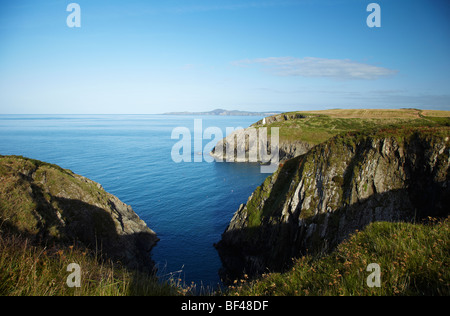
[413, 260]
[51, 217]
[29, 269]
[315, 127]
[313, 202]
[342, 156]
[49, 204]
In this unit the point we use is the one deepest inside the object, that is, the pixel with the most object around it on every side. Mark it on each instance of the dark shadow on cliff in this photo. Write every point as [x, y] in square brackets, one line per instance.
[91, 230]
[133, 250]
[63, 222]
[272, 247]
[80, 221]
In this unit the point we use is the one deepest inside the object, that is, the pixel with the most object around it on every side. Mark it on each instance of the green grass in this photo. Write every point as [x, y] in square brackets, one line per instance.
[24, 199]
[319, 126]
[28, 270]
[413, 259]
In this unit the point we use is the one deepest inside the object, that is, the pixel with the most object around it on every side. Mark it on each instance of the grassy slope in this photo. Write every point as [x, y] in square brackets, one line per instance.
[28, 268]
[413, 260]
[19, 205]
[318, 126]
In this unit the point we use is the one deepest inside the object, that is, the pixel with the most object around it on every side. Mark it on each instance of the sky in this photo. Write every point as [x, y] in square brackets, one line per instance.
[150, 57]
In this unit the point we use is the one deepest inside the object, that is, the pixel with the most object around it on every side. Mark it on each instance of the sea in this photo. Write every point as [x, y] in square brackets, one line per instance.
[187, 204]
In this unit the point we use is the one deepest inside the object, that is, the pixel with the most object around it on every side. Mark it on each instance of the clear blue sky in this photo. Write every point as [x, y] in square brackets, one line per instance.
[144, 57]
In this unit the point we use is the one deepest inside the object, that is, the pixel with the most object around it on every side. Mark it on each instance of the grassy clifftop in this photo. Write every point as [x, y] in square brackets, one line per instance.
[315, 127]
[300, 131]
[49, 204]
[51, 217]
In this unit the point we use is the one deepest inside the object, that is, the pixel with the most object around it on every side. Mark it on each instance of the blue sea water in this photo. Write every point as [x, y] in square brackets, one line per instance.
[187, 204]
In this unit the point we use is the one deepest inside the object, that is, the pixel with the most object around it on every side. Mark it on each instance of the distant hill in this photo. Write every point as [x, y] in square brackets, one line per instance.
[225, 113]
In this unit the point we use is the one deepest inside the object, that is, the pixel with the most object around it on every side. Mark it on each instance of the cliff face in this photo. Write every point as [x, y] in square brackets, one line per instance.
[314, 201]
[242, 147]
[50, 205]
[279, 118]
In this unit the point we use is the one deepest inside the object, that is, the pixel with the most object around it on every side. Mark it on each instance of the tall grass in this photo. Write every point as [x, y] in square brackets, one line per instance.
[414, 260]
[27, 270]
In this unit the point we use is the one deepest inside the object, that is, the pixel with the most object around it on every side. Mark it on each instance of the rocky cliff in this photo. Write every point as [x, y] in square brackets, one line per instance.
[314, 201]
[242, 145]
[50, 205]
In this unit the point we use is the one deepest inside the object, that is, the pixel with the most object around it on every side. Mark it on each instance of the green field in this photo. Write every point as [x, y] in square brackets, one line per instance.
[315, 127]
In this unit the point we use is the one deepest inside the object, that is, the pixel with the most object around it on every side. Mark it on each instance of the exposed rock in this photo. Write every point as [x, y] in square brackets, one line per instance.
[282, 117]
[314, 201]
[52, 205]
[249, 145]
[293, 149]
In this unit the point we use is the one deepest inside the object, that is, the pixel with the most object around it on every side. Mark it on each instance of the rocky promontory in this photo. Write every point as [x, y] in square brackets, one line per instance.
[249, 144]
[316, 200]
[49, 206]
[300, 131]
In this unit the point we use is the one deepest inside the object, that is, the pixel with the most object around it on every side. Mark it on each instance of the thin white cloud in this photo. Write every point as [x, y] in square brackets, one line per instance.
[314, 67]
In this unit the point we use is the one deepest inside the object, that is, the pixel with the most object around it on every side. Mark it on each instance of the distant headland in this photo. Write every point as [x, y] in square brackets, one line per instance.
[225, 113]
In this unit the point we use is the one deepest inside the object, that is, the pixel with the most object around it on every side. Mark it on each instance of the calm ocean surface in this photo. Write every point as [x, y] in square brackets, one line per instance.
[188, 205]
